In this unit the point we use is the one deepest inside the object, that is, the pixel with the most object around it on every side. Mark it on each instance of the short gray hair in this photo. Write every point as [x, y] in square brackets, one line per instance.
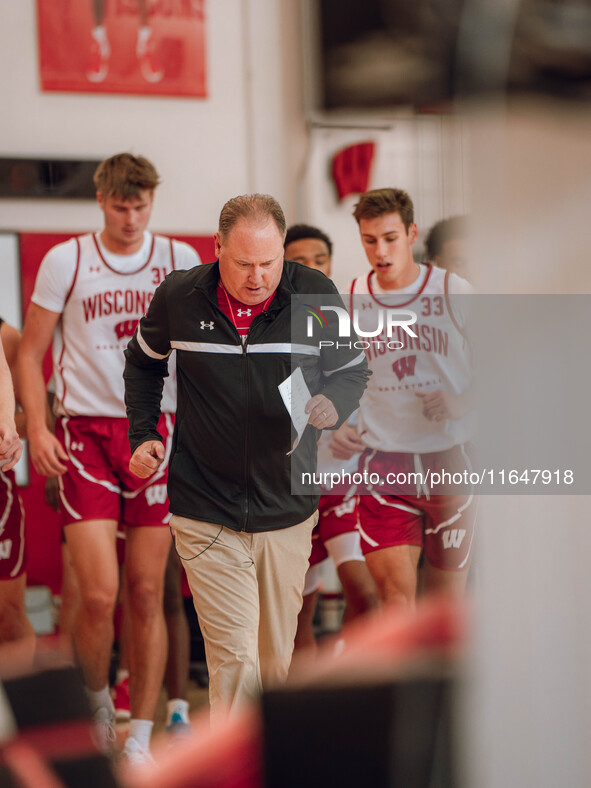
[258, 207]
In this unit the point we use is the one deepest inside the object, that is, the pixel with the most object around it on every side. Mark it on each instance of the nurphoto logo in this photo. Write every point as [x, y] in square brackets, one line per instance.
[388, 321]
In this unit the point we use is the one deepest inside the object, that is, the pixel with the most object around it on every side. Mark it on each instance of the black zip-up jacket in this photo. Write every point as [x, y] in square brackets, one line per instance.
[229, 463]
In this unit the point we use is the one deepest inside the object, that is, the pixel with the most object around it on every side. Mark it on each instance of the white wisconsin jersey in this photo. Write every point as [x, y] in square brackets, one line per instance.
[391, 417]
[101, 298]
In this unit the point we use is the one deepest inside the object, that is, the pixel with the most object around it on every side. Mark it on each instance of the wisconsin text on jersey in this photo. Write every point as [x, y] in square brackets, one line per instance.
[116, 302]
[382, 329]
[429, 338]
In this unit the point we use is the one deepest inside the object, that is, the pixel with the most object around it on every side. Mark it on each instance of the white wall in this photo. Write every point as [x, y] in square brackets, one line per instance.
[207, 150]
[425, 155]
[250, 134]
[10, 302]
[528, 705]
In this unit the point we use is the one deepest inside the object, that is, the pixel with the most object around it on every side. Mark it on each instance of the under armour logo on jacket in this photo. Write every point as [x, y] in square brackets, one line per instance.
[205, 325]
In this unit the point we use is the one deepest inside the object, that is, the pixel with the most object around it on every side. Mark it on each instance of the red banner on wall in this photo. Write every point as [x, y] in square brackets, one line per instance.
[146, 47]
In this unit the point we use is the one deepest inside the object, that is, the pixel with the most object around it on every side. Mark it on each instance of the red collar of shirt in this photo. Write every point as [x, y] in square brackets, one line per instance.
[241, 315]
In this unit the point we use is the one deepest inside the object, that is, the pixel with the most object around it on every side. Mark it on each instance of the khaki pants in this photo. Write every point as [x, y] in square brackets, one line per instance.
[247, 591]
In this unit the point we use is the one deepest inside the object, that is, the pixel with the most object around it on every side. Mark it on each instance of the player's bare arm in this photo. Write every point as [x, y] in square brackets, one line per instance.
[11, 339]
[10, 445]
[47, 453]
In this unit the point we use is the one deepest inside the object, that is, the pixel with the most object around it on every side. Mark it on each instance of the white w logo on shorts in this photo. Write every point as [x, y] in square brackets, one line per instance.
[345, 508]
[156, 494]
[453, 538]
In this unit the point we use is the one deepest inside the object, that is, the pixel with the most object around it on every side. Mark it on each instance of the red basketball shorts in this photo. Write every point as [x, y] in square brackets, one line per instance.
[336, 516]
[99, 485]
[442, 525]
[12, 528]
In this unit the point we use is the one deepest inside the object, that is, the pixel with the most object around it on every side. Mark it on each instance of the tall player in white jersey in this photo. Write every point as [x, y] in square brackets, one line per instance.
[89, 295]
[415, 415]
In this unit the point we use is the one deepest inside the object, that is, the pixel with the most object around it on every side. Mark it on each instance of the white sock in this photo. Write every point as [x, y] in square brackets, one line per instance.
[100, 36]
[339, 647]
[99, 33]
[100, 699]
[140, 730]
[144, 34]
[178, 706]
[121, 675]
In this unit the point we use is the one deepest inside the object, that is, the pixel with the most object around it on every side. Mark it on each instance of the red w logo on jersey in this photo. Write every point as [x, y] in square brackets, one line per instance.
[126, 328]
[404, 366]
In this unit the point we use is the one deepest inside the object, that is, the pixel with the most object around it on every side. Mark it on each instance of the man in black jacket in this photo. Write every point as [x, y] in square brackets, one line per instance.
[242, 515]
